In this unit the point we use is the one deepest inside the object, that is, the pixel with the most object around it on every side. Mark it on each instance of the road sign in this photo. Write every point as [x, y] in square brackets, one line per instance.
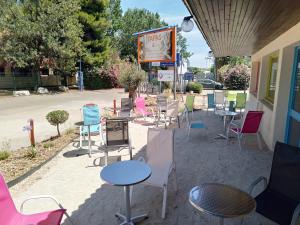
[167, 64]
[189, 76]
[165, 75]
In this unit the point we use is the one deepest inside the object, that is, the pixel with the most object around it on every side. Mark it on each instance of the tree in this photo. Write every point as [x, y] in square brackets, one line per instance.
[41, 33]
[116, 20]
[94, 16]
[182, 47]
[57, 117]
[136, 20]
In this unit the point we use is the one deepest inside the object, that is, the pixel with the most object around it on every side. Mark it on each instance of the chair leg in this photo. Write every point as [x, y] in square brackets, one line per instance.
[258, 141]
[80, 141]
[131, 194]
[175, 179]
[189, 131]
[165, 192]
[239, 141]
[69, 218]
[178, 121]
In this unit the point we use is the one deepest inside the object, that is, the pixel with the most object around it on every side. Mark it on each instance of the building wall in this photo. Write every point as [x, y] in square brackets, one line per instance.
[275, 116]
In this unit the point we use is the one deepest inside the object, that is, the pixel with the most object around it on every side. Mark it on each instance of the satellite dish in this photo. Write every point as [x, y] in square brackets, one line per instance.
[187, 24]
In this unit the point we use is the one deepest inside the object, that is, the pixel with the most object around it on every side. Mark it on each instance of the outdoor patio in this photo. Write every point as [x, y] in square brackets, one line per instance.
[74, 179]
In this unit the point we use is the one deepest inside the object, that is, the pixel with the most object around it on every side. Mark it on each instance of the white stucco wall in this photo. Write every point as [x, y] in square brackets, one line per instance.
[274, 120]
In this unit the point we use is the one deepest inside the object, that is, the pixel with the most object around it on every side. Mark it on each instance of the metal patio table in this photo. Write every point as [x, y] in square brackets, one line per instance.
[221, 200]
[127, 173]
[225, 114]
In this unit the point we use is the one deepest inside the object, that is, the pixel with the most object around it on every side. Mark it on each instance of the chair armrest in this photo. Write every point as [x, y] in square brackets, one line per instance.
[295, 215]
[40, 197]
[257, 181]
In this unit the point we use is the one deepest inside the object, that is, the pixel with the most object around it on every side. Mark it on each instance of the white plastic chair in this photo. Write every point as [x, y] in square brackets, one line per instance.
[172, 111]
[220, 99]
[160, 156]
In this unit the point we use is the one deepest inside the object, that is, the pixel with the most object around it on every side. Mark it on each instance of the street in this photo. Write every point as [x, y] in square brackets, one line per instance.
[15, 111]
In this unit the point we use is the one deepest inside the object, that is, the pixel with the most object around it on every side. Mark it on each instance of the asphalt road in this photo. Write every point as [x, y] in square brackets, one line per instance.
[15, 111]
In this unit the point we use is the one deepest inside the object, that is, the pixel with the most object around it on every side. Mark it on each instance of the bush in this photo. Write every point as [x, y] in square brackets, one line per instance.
[57, 117]
[4, 155]
[101, 78]
[235, 77]
[195, 87]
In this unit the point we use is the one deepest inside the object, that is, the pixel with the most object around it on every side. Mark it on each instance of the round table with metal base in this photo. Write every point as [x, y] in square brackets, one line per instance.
[225, 114]
[127, 173]
[221, 200]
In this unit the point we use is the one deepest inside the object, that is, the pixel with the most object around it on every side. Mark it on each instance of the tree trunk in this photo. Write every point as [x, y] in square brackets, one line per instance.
[57, 127]
[132, 93]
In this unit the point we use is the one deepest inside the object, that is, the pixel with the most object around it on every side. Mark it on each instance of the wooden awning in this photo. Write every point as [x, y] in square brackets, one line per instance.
[242, 27]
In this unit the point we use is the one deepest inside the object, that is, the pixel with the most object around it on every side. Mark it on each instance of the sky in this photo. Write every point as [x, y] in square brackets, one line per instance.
[173, 12]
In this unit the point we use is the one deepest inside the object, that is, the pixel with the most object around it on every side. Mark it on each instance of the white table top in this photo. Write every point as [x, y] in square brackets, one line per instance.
[226, 113]
[125, 173]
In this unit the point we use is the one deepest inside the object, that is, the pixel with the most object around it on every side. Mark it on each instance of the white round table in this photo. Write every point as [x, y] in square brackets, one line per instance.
[127, 173]
[225, 114]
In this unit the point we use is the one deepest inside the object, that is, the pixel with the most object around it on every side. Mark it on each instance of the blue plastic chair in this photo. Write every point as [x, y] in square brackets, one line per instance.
[91, 123]
[211, 102]
[198, 124]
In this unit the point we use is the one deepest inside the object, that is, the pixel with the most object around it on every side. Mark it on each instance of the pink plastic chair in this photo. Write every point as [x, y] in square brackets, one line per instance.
[250, 125]
[140, 107]
[9, 215]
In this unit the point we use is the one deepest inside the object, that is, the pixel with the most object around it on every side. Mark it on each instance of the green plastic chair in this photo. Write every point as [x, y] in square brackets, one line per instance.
[241, 100]
[189, 102]
[231, 96]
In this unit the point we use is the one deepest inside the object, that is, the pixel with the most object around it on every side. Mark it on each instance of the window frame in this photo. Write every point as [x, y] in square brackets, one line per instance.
[268, 98]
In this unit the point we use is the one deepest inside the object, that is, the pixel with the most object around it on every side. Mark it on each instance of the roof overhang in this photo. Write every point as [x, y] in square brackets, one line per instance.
[242, 27]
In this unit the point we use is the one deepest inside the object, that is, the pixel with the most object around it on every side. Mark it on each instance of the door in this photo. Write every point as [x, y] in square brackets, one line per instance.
[293, 120]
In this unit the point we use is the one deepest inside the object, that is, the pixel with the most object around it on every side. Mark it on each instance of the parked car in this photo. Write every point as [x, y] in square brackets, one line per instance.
[208, 83]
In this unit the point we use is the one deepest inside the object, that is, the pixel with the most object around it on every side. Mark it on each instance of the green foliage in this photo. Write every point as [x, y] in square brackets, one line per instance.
[136, 20]
[57, 117]
[235, 77]
[195, 87]
[94, 19]
[182, 47]
[116, 20]
[101, 79]
[31, 153]
[41, 33]
[131, 77]
[48, 145]
[4, 155]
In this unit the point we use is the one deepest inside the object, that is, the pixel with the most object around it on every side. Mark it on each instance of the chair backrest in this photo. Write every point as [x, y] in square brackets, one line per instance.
[172, 109]
[140, 104]
[210, 101]
[285, 171]
[7, 207]
[160, 146]
[189, 102]
[241, 100]
[91, 114]
[117, 132]
[231, 96]
[126, 104]
[251, 122]
[162, 102]
[220, 97]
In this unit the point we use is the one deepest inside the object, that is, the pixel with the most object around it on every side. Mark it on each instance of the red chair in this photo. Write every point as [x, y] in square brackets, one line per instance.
[9, 215]
[250, 125]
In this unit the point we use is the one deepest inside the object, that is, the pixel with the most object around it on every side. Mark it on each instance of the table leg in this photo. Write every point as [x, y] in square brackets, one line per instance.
[127, 218]
[221, 221]
[89, 133]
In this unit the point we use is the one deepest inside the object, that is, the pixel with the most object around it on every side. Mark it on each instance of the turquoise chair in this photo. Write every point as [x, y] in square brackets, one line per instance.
[211, 102]
[192, 124]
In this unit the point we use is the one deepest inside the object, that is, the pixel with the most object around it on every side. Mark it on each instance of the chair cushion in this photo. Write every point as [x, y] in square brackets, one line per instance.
[275, 207]
[45, 218]
[197, 124]
[94, 130]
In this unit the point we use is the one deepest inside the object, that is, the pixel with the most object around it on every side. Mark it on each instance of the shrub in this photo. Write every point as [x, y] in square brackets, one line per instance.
[102, 78]
[48, 145]
[235, 77]
[31, 153]
[131, 77]
[57, 117]
[195, 87]
[4, 155]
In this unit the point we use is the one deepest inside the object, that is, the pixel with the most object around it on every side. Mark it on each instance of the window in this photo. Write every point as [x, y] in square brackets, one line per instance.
[254, 78]
[2, 71]
[271, 83]
[22, 72]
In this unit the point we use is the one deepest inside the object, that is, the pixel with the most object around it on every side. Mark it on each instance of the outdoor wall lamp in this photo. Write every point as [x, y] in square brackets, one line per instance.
[187, 24]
